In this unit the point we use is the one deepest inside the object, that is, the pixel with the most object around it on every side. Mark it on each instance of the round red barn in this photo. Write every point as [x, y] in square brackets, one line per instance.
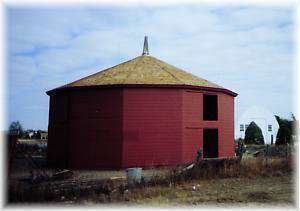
[143, 112]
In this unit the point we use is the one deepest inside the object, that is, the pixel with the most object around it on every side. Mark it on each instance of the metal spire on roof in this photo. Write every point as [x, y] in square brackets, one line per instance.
[145, 50]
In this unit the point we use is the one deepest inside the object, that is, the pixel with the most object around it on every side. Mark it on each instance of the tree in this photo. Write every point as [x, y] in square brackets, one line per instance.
[16, 127]
[253, 134]
[286, 130]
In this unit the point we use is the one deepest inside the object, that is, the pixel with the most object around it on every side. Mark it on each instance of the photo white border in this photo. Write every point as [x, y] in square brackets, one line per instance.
[54, 3]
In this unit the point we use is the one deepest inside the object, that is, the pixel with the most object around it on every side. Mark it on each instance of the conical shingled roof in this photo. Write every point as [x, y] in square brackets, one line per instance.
[142, 70]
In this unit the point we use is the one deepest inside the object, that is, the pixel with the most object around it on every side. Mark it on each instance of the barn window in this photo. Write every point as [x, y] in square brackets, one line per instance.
[241, 127]
[269, 127]
[210, 107]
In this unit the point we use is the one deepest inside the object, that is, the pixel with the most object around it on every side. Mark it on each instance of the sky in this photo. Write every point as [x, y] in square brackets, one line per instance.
[247, 49]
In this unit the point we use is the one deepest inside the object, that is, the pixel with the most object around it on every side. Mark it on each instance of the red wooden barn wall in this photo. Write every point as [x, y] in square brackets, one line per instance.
[90, 135]
[193, 124]
[119, 128]
[152, 126]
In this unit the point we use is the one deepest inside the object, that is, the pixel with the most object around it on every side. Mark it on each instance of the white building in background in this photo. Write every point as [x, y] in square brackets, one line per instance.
[263, 118]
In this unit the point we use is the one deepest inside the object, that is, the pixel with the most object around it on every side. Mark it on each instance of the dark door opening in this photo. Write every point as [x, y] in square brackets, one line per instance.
[210, 143]
[271, 139]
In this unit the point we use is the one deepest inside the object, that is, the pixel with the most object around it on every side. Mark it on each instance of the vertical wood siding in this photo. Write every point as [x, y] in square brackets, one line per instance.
[152, 127]
[92, 134]
[119, 128]
[193, 124]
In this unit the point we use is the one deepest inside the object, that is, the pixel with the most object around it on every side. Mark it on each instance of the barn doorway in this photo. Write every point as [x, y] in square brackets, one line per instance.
[271, 139]
[210, 143]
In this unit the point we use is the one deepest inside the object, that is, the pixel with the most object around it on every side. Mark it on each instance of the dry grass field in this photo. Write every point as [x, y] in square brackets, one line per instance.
[275, 190]
[262, 180]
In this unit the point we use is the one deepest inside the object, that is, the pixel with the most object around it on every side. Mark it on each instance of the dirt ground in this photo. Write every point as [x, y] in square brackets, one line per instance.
[21, 169]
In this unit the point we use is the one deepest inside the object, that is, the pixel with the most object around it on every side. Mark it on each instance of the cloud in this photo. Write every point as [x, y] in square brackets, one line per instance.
[246, 49]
